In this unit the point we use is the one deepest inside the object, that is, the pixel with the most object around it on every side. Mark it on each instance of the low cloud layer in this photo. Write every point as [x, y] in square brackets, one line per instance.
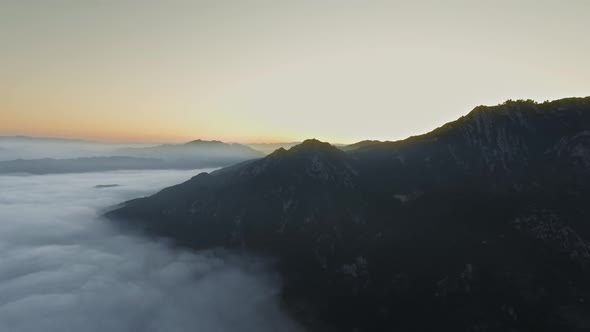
[63, 268]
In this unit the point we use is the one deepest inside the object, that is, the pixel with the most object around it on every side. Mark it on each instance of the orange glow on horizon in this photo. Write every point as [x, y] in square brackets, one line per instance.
[254, 73]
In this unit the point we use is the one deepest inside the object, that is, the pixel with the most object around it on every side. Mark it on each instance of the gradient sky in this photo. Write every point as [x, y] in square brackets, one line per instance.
[261, 71]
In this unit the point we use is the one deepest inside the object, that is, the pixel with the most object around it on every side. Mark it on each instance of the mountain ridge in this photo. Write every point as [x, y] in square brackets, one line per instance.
[480, 215]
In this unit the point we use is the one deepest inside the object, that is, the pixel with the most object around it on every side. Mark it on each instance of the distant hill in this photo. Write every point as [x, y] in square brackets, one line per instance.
[192, 155]
[79, 165]
[480, 225]
[358, 145]
[26, 147]
[268, 148]
[198, 152]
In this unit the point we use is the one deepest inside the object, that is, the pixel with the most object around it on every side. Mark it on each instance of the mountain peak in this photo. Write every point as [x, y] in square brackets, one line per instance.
[359, 145]
[312, 141]
[312, 159]
[313, 145]
[200, 141]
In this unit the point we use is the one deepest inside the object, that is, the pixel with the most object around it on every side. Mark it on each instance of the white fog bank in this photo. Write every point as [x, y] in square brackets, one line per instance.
[63, 268]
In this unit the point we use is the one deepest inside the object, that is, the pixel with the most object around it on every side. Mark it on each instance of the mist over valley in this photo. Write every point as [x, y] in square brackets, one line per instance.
[65, 268]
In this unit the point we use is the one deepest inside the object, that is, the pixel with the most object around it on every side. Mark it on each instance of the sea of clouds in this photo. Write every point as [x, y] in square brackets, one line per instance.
[64, 268]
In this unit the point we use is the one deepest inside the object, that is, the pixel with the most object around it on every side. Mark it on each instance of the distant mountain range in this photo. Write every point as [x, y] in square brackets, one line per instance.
[192, 155]
[479, 225]
[40, 155]
[358, 145]
[268, 148]
[25, 147]
[197, 152]
[80, 165]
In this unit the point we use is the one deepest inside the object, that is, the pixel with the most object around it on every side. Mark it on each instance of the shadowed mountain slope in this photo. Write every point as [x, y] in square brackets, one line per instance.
[480, 225]
[359, 145]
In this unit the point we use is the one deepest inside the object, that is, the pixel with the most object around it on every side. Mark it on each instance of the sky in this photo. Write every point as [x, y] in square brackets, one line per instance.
[274, 71]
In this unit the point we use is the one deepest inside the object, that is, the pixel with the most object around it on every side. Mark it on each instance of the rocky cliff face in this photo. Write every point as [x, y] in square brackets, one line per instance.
[480, 225]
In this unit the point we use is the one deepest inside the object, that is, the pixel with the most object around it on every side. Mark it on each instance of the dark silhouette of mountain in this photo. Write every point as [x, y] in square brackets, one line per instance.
[358, 145]
[479, 225]
[268, 148]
